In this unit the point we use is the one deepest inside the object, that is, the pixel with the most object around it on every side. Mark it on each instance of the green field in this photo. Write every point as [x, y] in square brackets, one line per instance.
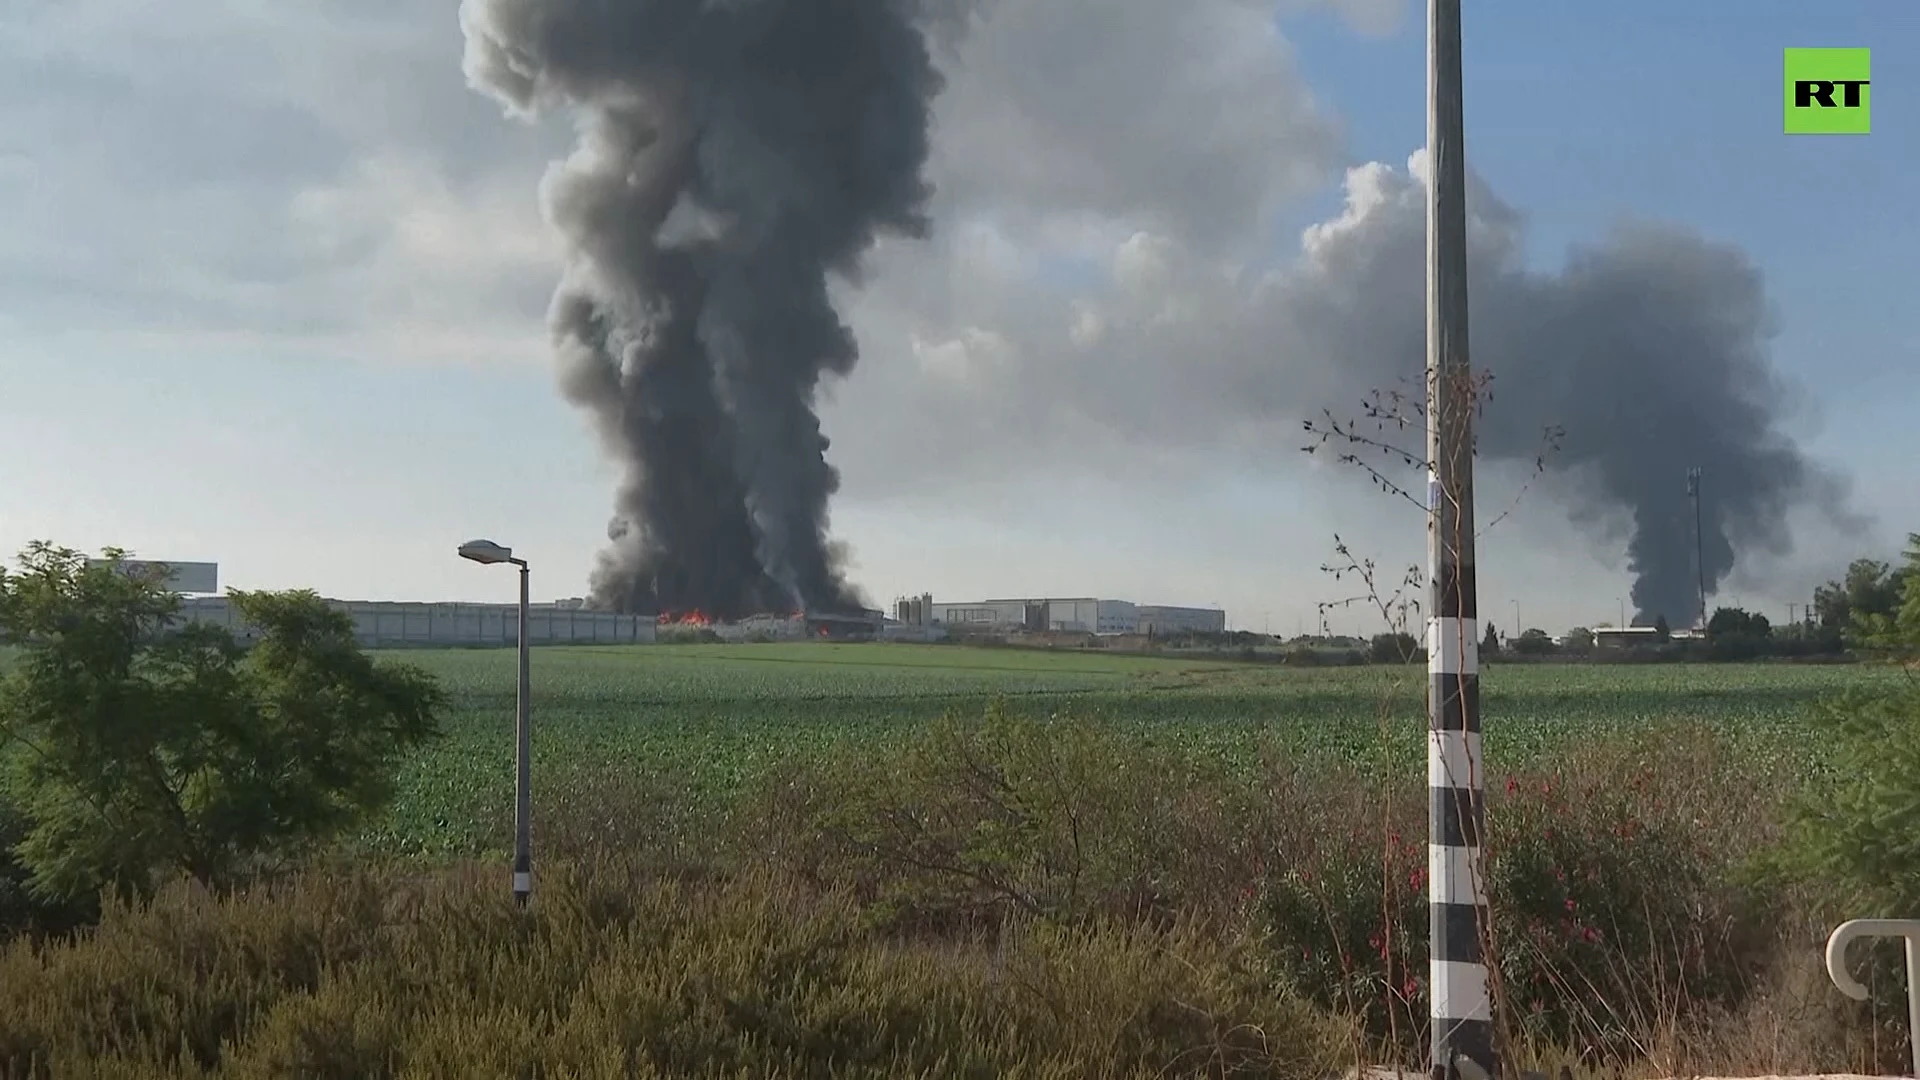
[708, 719]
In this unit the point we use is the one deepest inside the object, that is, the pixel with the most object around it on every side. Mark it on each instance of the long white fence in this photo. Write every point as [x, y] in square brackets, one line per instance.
[384, 624]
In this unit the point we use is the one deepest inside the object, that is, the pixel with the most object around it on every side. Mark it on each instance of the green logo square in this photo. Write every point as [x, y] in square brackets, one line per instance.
[1827, 92]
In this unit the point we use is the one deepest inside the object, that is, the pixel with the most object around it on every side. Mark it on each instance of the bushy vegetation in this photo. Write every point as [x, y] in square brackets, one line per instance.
[617, 973]
[135, 747]
[1010, 895]
[811, 860]
[1861, 827]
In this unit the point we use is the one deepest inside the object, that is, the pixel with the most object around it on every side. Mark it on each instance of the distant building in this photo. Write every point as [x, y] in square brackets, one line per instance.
[862, 626]
[399, 624]
[1160, 619]
[1606, 637]
[1075, 614]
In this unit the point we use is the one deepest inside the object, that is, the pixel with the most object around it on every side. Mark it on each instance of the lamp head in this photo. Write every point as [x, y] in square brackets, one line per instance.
[485, 551]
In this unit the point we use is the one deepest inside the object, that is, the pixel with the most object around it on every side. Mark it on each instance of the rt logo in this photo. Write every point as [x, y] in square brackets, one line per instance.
[1827, 92]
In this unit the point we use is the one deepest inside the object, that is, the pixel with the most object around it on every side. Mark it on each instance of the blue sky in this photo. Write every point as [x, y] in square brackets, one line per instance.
[1585, 115]
[344, 429]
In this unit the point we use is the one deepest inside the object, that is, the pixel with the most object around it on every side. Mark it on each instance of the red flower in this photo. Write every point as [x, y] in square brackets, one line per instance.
[1512, 785]
[1418, 879]
[1570, 904]
[1590, 934]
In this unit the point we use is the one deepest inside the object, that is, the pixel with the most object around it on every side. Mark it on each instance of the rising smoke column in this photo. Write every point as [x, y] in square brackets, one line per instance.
[732, 154]
[1649, 348]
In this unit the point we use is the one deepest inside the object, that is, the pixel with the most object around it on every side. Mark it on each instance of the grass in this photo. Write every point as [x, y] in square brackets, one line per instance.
[711, 720]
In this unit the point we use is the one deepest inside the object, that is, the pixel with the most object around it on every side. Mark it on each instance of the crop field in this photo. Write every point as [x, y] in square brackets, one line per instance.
[709, 719]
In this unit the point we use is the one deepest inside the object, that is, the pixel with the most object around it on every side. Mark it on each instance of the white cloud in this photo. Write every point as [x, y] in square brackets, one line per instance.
[1099, 292]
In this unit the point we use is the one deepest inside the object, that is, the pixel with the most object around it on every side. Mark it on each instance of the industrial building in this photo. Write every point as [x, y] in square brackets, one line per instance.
[848, 626]
[397, 624]
[385, 624]
[1077, 614]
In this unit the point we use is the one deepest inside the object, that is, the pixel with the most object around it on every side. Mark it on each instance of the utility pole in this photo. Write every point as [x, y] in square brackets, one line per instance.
[1699, 543]
[1461, 1005]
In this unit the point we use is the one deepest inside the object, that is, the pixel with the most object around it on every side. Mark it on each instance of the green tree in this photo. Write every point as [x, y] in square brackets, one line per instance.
[1398, 647]
[1661, 630]
[1896, 628]
[138, 744]
[1579, 640]
[1490, 641]
[1729, 622]
[1738, 634]
[1860, 829]
[1534, 642]
[1870, 587]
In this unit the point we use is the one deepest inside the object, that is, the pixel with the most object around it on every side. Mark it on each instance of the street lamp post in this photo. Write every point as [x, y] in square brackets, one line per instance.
[487, 552]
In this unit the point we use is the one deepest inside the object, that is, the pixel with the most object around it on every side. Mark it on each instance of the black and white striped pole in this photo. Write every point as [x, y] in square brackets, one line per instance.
[1458, 990]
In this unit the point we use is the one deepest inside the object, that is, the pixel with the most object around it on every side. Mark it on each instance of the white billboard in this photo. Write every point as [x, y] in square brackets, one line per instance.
[184, 577]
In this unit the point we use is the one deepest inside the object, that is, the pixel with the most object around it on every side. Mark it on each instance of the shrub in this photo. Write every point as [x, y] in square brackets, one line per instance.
[1395, 648]
[1857, 828]
[136, 745]
[1614, 893]
[1051, 817]
[610, 975]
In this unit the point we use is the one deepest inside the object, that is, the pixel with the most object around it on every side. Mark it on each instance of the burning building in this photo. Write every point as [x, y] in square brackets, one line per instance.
[863, 625]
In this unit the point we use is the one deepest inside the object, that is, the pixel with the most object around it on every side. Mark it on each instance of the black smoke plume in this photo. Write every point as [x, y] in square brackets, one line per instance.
[732, 155]
[1649, 349]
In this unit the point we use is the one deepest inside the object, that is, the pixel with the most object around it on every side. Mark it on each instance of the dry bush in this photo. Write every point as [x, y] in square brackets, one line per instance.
[1628, 920]
[1005, 896]
[1054, 818]
[609, 974]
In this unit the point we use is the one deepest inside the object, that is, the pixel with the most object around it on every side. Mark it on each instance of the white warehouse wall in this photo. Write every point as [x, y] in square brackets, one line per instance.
[1116, 617]
[1162, 619]
[1082, 615]
[385, 624]
[983, 613]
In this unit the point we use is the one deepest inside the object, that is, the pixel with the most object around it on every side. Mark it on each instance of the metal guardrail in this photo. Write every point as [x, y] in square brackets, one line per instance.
[1906, 929]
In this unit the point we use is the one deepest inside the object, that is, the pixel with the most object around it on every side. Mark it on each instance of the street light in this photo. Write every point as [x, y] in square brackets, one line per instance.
[488, 553]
